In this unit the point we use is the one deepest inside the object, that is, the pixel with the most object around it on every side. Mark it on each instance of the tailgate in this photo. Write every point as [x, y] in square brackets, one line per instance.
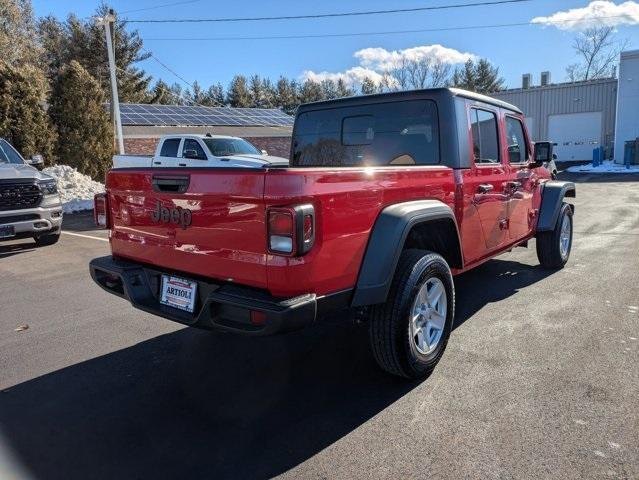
[208, 222]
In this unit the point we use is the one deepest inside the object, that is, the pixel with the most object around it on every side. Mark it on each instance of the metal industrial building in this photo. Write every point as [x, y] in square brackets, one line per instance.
[577, 116]
[580, 116]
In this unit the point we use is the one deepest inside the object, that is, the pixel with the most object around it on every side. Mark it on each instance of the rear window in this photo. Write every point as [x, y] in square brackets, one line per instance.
[396, 133]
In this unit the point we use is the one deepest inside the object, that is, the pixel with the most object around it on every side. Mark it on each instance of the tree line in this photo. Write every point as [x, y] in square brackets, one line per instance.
[54, 84]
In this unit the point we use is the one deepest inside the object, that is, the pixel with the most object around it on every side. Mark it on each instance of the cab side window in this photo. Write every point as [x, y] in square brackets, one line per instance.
[193, 146]
[170, 147]
[517, 146]
[485, 141]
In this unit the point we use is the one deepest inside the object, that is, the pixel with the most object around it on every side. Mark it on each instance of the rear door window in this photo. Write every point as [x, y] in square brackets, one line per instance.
[394, 133]
[170, 147]
[517, 146]
[485, 139]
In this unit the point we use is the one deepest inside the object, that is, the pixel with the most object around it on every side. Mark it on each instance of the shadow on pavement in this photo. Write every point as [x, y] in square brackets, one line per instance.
[8, 250]
[193, 404]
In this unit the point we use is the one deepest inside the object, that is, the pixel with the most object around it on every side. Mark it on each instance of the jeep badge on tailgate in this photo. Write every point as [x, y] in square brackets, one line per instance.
[177, 215]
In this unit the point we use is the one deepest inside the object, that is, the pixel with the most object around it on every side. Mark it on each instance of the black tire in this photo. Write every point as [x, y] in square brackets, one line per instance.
[548, 243]
[389, 326]
[45, 240]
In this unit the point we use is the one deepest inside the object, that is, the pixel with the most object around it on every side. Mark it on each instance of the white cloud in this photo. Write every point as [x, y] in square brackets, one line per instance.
[599, 12]
[382, 59]
[373, 62]
[353, 77]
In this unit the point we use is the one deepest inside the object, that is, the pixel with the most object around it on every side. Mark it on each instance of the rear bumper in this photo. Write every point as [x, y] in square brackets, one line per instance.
[32, 222]
[218, 306]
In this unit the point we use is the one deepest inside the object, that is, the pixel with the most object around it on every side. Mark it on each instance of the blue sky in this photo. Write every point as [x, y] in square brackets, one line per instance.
[516, 50]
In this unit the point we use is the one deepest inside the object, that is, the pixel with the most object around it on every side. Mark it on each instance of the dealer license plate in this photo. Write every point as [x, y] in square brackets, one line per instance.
[178, 293]
[7, 231]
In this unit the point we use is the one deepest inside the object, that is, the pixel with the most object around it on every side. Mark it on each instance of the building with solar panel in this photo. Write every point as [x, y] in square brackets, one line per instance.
[143, 124]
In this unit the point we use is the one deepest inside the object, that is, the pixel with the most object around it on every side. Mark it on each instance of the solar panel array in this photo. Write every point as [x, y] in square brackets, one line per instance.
[178, 115]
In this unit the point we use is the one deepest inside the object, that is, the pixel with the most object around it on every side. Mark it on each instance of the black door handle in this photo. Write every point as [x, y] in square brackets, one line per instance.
[485, 188]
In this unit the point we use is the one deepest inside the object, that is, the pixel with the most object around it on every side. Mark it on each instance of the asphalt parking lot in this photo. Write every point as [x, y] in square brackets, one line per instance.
[540, 378]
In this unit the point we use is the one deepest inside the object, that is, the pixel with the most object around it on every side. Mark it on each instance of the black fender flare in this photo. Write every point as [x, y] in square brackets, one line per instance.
[386, 243]
[552, 196]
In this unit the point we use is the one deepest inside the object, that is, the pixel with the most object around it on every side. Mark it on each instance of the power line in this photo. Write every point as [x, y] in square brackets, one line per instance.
[389, 32]
[159, 6]
[177, 75]
[330, 15]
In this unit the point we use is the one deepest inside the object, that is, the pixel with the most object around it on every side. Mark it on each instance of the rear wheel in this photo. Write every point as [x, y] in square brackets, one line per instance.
[553, 248]
[49, 239]
[409, 332]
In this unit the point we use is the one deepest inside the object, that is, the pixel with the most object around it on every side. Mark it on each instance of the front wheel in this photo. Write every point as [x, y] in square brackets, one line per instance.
[409, 333]
[553, 248]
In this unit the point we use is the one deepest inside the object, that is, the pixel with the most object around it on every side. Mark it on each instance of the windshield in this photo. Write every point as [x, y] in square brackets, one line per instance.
[221, 147]
[8, 153]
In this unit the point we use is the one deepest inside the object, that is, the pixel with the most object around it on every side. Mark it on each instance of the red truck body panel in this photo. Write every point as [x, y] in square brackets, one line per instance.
[226, 239]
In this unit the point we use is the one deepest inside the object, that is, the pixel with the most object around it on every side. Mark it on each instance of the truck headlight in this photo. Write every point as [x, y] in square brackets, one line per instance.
[50, 197]
[49, 187]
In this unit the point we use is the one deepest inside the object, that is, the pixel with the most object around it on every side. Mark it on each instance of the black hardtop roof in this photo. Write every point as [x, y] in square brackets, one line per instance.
[407, 95]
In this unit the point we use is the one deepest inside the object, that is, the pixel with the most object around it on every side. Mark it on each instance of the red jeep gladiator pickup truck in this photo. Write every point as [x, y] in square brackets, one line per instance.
[385, 199]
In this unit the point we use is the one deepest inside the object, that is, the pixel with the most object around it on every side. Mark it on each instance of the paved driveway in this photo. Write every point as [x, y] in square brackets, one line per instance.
[540, 379]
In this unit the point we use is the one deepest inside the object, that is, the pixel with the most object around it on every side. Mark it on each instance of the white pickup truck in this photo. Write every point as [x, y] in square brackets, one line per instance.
[174, 151]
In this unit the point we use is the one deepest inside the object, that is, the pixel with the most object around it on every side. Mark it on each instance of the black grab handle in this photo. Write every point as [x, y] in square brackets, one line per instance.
[171, 183]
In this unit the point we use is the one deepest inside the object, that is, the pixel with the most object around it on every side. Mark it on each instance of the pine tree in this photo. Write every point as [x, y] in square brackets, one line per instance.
[18, 33]
[480, 77]
[215, 95]
[238, 93]
[256, 92]
[161, 93]
[177, 95]
[329, 89]
[196, 95]
[287, 97]
[85, 136]
[84, 41]
[368, 86]
[311, 91]
[23, 120]
[269, 93]
[343, 90]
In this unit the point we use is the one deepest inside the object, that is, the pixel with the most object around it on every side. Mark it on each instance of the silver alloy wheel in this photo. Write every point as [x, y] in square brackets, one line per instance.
[428, 315]
[564, 236]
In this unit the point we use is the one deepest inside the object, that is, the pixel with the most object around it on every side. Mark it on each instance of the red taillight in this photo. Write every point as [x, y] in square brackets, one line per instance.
[291, 231]
[280, 222]
[100, 210]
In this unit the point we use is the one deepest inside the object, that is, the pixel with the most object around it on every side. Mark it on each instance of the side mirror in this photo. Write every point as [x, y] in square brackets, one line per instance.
[264, 152]
[554, 156]
[543, 154]
[190, 154]
[36, 161]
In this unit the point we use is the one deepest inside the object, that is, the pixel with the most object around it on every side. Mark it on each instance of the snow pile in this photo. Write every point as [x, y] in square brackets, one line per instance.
[76, 189]
[605, 167]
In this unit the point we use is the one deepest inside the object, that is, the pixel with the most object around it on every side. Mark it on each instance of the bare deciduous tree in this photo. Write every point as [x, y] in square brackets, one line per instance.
[416, 74]
[598, 51]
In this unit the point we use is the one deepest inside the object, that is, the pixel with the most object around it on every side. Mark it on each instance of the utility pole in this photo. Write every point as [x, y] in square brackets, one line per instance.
[107, 21]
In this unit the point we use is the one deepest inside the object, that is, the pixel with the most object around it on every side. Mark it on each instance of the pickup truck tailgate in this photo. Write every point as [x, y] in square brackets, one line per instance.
[208, 222]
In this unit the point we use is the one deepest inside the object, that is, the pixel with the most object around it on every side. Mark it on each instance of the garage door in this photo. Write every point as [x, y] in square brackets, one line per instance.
[575, 134]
